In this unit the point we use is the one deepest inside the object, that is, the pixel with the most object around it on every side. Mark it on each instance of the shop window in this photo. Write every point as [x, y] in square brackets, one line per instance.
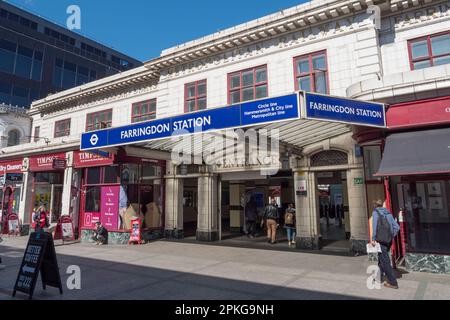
[111, 174]
[143, 111]
[427, 213]
[62, 128]
[99, 120]
[372, 162]
[247, 85]
[13, 138]
[195, 96]
[130, 174]
[48, 177]
[93, 198]
[429, 51]
[149, 173]
[311, 72]
[93, 175]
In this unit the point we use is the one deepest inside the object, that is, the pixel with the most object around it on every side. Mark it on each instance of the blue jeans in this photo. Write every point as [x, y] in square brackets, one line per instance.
[291, 233]
[384, 262]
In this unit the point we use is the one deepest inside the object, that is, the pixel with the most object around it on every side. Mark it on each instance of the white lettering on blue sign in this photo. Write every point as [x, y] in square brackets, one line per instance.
[146, 131]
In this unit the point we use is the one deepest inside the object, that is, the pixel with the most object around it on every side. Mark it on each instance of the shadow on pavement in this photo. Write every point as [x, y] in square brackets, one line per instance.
[106, 280]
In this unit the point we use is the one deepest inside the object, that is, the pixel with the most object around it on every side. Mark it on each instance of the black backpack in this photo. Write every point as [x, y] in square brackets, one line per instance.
[384, 231]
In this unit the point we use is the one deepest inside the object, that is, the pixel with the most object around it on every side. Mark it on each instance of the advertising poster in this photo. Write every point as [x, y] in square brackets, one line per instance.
[110, 207]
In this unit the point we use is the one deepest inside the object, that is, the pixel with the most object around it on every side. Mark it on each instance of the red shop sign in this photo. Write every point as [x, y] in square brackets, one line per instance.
[45, 162]
[82, 159]
[419, 113]
[13, 166]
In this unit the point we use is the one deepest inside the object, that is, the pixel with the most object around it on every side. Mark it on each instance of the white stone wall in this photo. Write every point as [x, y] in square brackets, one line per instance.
[11, 121]
[355, 52]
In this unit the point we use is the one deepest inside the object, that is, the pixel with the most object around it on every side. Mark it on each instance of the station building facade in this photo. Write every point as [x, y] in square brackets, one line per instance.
[328, 170]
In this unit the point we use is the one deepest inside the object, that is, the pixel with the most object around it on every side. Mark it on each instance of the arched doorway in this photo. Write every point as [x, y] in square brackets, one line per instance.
[13, 138]
[332, 199]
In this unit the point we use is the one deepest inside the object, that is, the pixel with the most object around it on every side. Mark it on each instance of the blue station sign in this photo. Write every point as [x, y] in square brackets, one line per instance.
[241, 115]
[329, 108]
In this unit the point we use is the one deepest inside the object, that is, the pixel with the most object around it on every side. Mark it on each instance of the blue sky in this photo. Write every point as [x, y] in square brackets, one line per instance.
[142, 28]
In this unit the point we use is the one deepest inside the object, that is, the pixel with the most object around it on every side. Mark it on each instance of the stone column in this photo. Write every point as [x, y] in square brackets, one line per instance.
[207, 223]
[358, 210]
[237, 191]
[26, 199]
[306, 208]
[174, 208]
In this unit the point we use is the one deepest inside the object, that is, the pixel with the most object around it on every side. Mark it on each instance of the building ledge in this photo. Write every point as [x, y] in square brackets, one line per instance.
[405, 86]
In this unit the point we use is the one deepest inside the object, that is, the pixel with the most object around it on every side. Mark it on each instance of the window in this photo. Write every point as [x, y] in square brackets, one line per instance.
[13, 138]
[37, 132]
[37, 66]
[20, 97]
[82, 75]
[7, 56]
[57, 73]
[102, 175]
[69, 75]
[311, 72]
[24, 62]
[99, 120]
[143, 111]
[247, 85]
[62, 128]
[195, 96]
[372, 161]
[5, 92]
[429, 51]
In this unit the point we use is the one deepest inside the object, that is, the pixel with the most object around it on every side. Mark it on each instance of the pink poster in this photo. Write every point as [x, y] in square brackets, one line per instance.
[110, 207]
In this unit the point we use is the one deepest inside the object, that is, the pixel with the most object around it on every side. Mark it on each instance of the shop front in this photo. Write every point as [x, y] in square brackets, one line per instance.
[47, 173]
[410, 165]
[118, 189]
[11, 186]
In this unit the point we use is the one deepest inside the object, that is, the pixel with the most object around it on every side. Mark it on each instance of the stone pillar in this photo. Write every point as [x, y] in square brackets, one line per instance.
[358, 210]
[237, 191]
[67, 186]
[26, 199]
[174, 208]
[306, 208]
[207, 222]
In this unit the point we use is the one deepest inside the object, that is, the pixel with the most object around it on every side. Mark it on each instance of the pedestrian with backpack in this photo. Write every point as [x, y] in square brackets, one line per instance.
[384, 230]
[290, 224]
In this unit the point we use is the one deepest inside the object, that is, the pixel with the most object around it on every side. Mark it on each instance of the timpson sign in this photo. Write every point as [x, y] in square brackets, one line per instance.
[45, 162]
[83, 159]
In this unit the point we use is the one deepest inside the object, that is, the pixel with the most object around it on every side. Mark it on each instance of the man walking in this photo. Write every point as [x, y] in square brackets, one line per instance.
[384, 230]
[271, 217]
[251, 213]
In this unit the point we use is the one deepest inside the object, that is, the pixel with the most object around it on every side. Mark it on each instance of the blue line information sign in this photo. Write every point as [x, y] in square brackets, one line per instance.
[242, 115]
[328, 108]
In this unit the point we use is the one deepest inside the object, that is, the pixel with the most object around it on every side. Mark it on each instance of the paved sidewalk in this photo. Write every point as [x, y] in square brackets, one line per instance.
[180, 271]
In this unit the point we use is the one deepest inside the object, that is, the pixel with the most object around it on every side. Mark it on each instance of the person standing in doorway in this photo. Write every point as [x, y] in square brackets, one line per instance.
[290, 224]
[251, 213]
[384, 230]
[40, 219]
[271, 217]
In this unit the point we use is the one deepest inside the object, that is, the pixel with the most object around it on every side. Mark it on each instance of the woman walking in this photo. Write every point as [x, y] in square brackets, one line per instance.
[290, 224]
